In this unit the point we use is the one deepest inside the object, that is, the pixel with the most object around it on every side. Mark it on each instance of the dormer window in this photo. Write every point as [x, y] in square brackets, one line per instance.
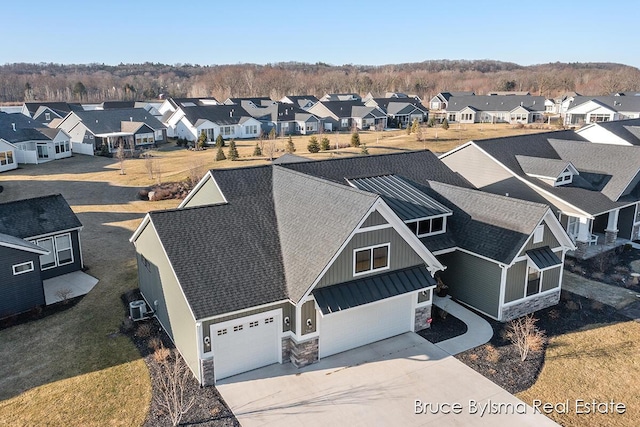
[427, 226]
[565, 177]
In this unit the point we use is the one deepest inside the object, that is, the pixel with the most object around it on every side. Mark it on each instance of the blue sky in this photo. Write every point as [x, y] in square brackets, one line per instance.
[336, 32]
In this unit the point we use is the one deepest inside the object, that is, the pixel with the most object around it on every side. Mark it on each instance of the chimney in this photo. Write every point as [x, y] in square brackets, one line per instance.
[13, 125]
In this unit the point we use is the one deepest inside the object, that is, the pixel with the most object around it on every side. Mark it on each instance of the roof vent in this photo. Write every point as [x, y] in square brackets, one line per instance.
[130, 119]
[521, 103]
[13, 125]
[231, 113]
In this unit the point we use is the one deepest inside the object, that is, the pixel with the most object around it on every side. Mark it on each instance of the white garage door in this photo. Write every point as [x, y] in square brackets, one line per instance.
[363, 325]
[244, 344]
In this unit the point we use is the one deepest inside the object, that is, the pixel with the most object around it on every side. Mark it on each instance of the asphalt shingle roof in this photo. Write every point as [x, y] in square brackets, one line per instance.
[496, 102]
[543, 167]
[110, 121]
[629, 130]
[219, 114]
[616, 103]
[25, 128]
[37, 216]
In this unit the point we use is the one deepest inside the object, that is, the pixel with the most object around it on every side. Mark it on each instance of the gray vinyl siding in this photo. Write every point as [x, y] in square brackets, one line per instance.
[401, 256]
[625, 221]
[22, 292]
[375, 218]
[308, 311]
[551, 278]
[516, 276]
[68, 268]
[158, 283]
[475, 166]
[473, 280]
[548, 239]
[208, 194]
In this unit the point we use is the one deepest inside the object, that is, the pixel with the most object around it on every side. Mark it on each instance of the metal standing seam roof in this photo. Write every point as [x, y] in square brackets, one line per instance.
[406, 201]
[543, 257]
[369, 289]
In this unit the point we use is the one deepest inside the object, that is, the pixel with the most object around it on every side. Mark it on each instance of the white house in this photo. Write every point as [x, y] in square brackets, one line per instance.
[7, 156]
[230, 121]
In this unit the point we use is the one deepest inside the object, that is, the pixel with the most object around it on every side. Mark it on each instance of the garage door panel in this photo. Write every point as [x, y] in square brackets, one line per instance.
[244, 344]
[363, 325]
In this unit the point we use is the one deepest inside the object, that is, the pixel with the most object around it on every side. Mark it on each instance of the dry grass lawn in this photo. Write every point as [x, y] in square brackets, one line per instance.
[599, 363]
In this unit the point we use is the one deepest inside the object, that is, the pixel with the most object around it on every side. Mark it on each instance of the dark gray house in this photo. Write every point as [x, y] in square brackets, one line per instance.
[39, 239]
[376, 229]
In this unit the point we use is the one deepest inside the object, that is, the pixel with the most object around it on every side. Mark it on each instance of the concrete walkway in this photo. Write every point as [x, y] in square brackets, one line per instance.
[626, 301]
[67, 286]
[479, 331]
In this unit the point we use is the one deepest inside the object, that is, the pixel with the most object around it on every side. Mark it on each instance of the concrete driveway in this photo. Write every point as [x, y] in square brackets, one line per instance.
[377, 384]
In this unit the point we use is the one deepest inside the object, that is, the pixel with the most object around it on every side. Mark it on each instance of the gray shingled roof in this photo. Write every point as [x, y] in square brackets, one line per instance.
[416, 166]
[110, 121]
[616, 103]
[405, 200]
[325, 213]
[219, 114]
[629, 130]
[257, 235]
[496, 103]
[38, 216]
[488, 224]
[341, 109]
[551, 168]
[25, 128]
[12, 241]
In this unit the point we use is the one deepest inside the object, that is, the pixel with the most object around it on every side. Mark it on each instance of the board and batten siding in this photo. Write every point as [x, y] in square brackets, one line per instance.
[548, 239]
[308, 311]
[551, 278]
[475, 166]
[374, 218]
[158, 283]
[288, 310]
[401, 256]
[22, 292]
[473, 280]
[516, 277]
[208, 194]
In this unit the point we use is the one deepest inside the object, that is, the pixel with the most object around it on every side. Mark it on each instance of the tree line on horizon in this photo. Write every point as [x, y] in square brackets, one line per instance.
[24, 82]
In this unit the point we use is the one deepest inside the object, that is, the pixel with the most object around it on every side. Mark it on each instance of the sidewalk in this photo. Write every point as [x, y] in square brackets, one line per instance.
[479, 331]
[626, 301]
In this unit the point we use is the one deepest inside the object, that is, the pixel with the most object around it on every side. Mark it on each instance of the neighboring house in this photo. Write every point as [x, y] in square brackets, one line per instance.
[400, 110]
[495, 109]
[170, 105]
[257, 101]
[32, 143]
[266, 296]
[7, 156]
[619, 132]
[285, 118]
[341, 97]
[302, 101]
[579, 110]
[39, 239]
[133, 128]
[594, 188]
[230, 121]
[346, 115]
[441, 100]
[45, 112]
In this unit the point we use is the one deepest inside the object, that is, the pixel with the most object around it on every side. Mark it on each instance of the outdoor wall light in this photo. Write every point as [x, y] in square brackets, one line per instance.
[425, 293]
[207, 340]
[309, 323]
[287, 321]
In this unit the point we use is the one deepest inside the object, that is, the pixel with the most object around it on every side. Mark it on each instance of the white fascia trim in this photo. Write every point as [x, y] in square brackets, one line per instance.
[255, 307]
[530, 184]
[465, 145]
[559, 249]
[199, 185]
[629, 183]
[444, 251]
[141, 227]
[432, 262]
[374, 228]
[503, 286]
[25, 249]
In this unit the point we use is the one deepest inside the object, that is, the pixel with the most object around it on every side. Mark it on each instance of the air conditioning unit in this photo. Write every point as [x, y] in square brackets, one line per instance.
[138, 310]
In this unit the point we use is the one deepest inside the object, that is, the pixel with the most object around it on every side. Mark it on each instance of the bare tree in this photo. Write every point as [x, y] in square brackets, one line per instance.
[196, 172]
[525, 335]
[270, 145]
[174, 377]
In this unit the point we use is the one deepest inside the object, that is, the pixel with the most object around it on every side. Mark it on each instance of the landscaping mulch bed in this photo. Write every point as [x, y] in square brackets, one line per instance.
[499, 360]
[443, 327]
[614, 267]
[209, 409]
[38, 312]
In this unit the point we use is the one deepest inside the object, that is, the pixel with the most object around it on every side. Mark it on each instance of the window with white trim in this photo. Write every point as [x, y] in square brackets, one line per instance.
[534, 281]
[22, 268]
[60, 251]
[47, 116]
[370, 259]
[565, 177]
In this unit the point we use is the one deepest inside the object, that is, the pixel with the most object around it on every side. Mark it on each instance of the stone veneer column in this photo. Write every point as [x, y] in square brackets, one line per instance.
[530, 305]
[610, 236]
[422, 314]
[581, 249]
[206, 366]
[286, 349]
[304, 353]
